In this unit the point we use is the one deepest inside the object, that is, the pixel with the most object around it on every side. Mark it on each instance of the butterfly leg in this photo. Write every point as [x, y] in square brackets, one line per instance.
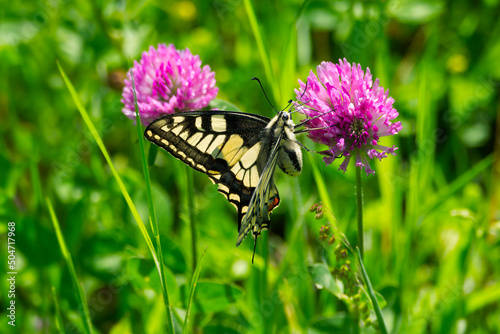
[309, 150]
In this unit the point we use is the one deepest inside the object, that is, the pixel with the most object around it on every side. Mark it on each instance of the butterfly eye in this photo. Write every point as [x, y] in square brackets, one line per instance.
[286, 116]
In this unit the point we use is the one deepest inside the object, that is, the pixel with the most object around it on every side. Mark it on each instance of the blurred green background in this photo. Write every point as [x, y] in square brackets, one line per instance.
[431, 213]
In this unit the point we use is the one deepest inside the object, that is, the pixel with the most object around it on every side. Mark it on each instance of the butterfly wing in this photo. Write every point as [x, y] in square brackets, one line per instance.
[264, 199]
[229, 148]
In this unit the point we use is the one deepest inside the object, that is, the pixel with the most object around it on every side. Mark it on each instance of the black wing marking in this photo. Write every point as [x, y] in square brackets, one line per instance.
[227, 146]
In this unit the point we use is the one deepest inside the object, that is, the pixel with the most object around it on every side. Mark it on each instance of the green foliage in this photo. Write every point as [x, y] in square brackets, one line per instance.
[431, 213]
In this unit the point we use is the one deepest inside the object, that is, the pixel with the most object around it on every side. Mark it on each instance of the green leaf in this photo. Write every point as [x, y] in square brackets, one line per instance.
[213, 296]
[380, 300]
[122, 326]
[329, 324]
[144, 275]
[219, 329]
[482, 298]
[415, 12]
[323, 279]
[218, 104]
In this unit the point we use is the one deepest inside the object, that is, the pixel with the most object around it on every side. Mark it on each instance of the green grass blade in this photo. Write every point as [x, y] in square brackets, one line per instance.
[461, 181]
[126, 195]
[482, 298]
[57, 316]
[145, 169]
[288, 58]
[194, 281]
[152, 213]
[82, 300]
[419, 181]
[266, 60]
[371, 293]
[99, 142]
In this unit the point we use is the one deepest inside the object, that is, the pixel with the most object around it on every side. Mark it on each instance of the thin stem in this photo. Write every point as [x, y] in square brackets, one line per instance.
[258, 291]
[263, 50]
[57, 316]
[359, 207]
[263, 277]
[80, 292]
[152, 217]
[373, 297]
[126, 196]
[190, 214]
[194, 281]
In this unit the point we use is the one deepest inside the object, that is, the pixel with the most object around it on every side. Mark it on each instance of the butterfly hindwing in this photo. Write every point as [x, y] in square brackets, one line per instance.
[265, 197]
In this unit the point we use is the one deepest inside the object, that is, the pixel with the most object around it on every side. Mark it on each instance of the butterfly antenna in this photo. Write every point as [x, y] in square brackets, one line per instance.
[257, 79]
[300, 98]
[305, 89]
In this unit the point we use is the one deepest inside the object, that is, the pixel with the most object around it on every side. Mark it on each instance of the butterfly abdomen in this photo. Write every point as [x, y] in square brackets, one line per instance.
[290, 153]
[290, 159]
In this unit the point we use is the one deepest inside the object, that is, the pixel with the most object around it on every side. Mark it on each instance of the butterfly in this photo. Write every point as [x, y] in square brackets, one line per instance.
[239, 152]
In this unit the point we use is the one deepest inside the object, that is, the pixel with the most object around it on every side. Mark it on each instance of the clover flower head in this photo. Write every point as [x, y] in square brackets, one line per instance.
[350, 113]
[167, 81]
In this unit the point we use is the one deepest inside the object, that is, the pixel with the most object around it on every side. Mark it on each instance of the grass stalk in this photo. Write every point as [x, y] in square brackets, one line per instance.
[57, 316]
[266, 60]
[194, 281]
[447, 192]
[123, 190]
[189, 203]
[80, 296]
[258, 289]
[152, 214]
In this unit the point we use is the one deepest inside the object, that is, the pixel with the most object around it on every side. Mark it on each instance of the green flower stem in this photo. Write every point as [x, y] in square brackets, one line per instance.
[359, 207]
[371, 293]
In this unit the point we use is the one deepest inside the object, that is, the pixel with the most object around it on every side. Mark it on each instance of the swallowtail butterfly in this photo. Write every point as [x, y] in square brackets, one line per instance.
[239, 152]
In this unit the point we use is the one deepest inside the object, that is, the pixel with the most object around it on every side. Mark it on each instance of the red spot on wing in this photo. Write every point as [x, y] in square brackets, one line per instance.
[274, 204]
